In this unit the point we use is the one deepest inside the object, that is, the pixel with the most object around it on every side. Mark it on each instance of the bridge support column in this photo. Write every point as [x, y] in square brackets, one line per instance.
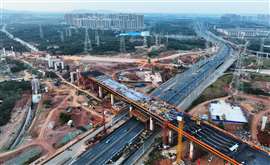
[191, 150]
[130, 109]
[151, 125]
[78, 76]
[112, 99]
[180, 145]
[165, 134]
[170, 138]
[56, 66]
[62, 65]
[99, 92]
[72, 77]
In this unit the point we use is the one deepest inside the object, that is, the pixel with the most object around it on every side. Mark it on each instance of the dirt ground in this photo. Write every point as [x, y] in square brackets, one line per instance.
[46, 128]
[254, 106]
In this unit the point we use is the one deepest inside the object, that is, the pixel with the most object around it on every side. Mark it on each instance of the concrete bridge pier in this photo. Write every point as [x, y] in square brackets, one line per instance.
[195, 151]
[56, 66]
[78, 76]
[130, 109]
[191, 150]
[112, 99]
[151, 125]
[100, 94]
[170, 137]
[72, 78]
[165, 133]
[62, 65]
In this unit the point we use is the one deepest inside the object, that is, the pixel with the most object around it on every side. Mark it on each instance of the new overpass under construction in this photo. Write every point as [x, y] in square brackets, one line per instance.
[154, 111]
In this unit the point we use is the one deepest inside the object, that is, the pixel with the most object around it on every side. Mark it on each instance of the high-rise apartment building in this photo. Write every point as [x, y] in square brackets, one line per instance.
[106, 21]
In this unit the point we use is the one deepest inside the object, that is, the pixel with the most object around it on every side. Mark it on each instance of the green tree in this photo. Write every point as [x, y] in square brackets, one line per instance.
[64, 117]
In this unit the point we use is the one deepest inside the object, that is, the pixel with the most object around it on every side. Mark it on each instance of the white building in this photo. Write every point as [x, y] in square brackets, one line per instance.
[222, 111]
[35, 86]
[103, 21]
[245, 32]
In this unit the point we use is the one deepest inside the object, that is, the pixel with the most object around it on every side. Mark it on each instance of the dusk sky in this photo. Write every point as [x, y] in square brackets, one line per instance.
[156, 6]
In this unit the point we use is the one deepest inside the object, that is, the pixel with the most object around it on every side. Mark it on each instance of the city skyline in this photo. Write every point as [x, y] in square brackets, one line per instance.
[142, 6]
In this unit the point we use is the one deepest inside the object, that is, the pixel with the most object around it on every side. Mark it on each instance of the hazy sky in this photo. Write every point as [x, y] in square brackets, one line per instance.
[156, 6]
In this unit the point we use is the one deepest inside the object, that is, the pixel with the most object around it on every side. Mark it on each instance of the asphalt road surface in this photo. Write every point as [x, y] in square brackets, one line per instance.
[243, 154]
[103, 151]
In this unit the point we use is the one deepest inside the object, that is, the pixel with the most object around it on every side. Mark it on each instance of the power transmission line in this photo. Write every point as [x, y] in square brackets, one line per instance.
[87, 42]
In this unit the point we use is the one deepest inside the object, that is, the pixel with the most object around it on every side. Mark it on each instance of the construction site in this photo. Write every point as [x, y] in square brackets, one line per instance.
[151, 106]
[64, 114]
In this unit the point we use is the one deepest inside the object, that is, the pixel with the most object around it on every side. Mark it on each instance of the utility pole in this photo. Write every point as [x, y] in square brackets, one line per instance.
[156, 40]
[122, 44]
[61, 36]
[238, 69]
[41, 35]
[145, 41]
[87, 42]
[97, 38]
[68, 32]
[259, 57]
[167, 40]
[159, 38]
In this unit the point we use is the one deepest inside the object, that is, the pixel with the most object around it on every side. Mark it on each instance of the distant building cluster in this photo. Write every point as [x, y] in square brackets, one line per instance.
[245, 32]
[260, 18]
[103, 21]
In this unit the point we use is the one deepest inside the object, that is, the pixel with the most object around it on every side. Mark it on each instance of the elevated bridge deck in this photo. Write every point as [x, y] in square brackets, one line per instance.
[208, 136]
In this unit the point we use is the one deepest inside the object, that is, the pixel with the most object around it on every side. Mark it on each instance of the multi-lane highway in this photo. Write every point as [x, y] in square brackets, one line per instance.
[211, 138]
[104, 151]
[71, 152]
[175, 90]
[208, 136]
[204, 134]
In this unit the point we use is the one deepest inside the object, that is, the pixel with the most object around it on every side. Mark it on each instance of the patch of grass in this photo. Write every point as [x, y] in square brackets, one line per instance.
[249, 60]
[152, 54]
[248, 88]
[47, 103]
[154, 156]
[8, 43]
[64, 117]
[215, 90]
[16, 66]
[50, 74]
[32, 159]
[265, 64]
[10, 92]
[186, 44]
[259, 77]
